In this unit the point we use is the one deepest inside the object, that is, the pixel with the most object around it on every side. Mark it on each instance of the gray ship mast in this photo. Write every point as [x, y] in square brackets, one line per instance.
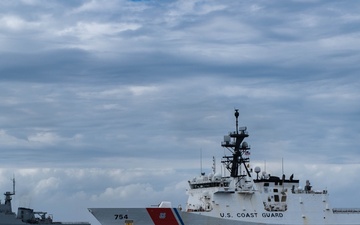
[235, 143]
[8, 197]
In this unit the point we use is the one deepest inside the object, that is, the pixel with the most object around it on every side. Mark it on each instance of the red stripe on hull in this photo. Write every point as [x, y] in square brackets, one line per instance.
[162, 216]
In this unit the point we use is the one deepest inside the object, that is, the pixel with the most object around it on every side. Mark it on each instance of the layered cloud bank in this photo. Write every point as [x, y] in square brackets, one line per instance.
[109, 103]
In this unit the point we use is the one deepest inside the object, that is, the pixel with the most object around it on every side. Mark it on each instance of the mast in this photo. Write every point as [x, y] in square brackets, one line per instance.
[8, 198]
[239, 149]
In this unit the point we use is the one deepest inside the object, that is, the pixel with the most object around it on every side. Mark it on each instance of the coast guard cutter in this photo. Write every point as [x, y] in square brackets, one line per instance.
[245, 196]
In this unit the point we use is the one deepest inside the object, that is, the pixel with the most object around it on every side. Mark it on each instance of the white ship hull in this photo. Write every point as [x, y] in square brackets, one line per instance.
[173, 216]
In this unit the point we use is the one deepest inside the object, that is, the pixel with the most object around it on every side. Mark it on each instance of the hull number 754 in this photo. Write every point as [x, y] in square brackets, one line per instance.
[120, 216]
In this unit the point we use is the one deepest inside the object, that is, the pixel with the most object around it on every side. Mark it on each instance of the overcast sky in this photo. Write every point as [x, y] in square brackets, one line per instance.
[108, 103]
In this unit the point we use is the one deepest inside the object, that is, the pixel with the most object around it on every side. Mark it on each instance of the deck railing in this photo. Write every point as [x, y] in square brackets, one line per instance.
[346, 210]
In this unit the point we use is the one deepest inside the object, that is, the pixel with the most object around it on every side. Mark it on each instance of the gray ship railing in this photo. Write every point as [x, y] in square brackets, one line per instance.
[346, 210]
[71, 223]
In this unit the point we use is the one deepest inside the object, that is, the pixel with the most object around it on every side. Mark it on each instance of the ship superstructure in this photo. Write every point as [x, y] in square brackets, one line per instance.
[25, 215]
[245, 195]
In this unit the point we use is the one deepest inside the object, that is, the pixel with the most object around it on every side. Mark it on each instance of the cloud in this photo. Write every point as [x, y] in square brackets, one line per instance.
[92, 31]
[104, 99]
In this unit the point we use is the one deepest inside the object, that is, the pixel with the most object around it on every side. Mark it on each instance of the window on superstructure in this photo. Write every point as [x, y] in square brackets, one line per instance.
[276, 198]
[283, 198]
[276, 190]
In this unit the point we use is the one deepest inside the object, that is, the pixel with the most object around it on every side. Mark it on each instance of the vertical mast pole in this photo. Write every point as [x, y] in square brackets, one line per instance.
[237, 123]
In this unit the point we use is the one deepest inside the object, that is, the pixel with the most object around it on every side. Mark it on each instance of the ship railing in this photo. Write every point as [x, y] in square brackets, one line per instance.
[346, 210]
[72, 223]
[301, 191]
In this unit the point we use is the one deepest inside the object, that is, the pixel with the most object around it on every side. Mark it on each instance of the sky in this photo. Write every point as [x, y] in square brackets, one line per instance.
[118, 103]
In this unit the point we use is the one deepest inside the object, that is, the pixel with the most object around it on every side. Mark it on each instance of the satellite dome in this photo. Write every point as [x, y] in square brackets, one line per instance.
[244, 145]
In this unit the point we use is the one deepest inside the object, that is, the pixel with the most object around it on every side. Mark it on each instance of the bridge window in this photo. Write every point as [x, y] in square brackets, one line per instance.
[276, 198]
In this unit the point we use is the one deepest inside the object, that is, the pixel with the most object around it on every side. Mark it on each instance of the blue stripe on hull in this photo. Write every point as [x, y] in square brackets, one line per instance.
[178, 216]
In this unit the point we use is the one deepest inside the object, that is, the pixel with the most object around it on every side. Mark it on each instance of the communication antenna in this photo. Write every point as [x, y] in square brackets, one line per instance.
[13, 180]
[283, 174]
[201, 171]
[214, 165]
[237, 122]
[265, 165]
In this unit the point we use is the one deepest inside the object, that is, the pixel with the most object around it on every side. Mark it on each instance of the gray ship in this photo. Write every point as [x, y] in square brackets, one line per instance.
[26, 215]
